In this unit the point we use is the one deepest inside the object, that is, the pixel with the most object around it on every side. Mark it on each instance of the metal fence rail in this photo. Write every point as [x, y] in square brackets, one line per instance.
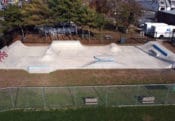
[59, 97]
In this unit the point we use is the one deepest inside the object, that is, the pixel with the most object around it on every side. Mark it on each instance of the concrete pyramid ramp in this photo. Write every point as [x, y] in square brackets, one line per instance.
[114, 47]
[16, 47]
[21, 50]
[57, 47]
[50, 55]
[16, 44]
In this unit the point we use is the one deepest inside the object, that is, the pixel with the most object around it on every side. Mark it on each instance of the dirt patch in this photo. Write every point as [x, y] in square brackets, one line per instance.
[169, 46]
[10, 78]
[98, 38]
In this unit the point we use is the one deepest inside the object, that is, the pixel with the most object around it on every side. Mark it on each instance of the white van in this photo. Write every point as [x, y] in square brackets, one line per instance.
[162, 31]
[147, 27]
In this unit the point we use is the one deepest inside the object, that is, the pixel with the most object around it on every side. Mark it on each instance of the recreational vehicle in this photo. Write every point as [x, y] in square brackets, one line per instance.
[147, 26]
[158, 31]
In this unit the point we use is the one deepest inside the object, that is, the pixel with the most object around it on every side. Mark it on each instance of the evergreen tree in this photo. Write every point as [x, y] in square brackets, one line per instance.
[47, 12]
[71, 10]
[36, 13]
[13, 19]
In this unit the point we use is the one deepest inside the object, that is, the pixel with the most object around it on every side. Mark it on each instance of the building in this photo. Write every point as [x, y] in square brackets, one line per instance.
[157, 5]
[6, 2]
[166, 17]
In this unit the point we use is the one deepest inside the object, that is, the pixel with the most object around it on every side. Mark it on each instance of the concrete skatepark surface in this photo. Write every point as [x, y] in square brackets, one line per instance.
[61, 55]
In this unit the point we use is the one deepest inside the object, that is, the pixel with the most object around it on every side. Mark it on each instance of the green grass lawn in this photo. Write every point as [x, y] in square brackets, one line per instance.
[161, 113]
[59, 97]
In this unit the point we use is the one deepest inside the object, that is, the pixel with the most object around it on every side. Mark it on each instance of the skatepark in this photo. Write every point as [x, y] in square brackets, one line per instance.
[64, 55]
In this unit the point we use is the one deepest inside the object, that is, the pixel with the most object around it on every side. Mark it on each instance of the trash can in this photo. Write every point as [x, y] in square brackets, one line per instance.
[122, 40]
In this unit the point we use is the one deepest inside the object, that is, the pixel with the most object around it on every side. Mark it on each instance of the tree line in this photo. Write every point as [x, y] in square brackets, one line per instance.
[124, 12]
[51, 12]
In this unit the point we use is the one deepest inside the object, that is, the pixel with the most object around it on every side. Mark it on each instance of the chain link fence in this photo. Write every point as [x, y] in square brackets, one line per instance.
[60, 97]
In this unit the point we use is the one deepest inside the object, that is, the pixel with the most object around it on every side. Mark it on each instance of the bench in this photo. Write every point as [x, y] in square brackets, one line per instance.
[148, 100]
[90, 101]
[108, 37]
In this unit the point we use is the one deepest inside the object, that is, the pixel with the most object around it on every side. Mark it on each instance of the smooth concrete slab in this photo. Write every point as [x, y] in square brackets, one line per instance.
[62, 55]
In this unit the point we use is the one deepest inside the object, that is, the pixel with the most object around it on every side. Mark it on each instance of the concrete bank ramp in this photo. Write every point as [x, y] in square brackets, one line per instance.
[157, 50]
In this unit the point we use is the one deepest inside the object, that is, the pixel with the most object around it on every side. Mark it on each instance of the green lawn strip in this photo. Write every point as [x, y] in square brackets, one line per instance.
[160, 113]
[57, 97]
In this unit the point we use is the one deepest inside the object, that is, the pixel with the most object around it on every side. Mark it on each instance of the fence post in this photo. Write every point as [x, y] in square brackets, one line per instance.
[43, 97]
[167, 95]
[106, 97]
[138, 94]
[72, 96]
[11, 98]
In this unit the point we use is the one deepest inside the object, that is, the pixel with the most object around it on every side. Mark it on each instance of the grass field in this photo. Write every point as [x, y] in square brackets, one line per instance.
[66, 97]
[162, 113]
[10, 78]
